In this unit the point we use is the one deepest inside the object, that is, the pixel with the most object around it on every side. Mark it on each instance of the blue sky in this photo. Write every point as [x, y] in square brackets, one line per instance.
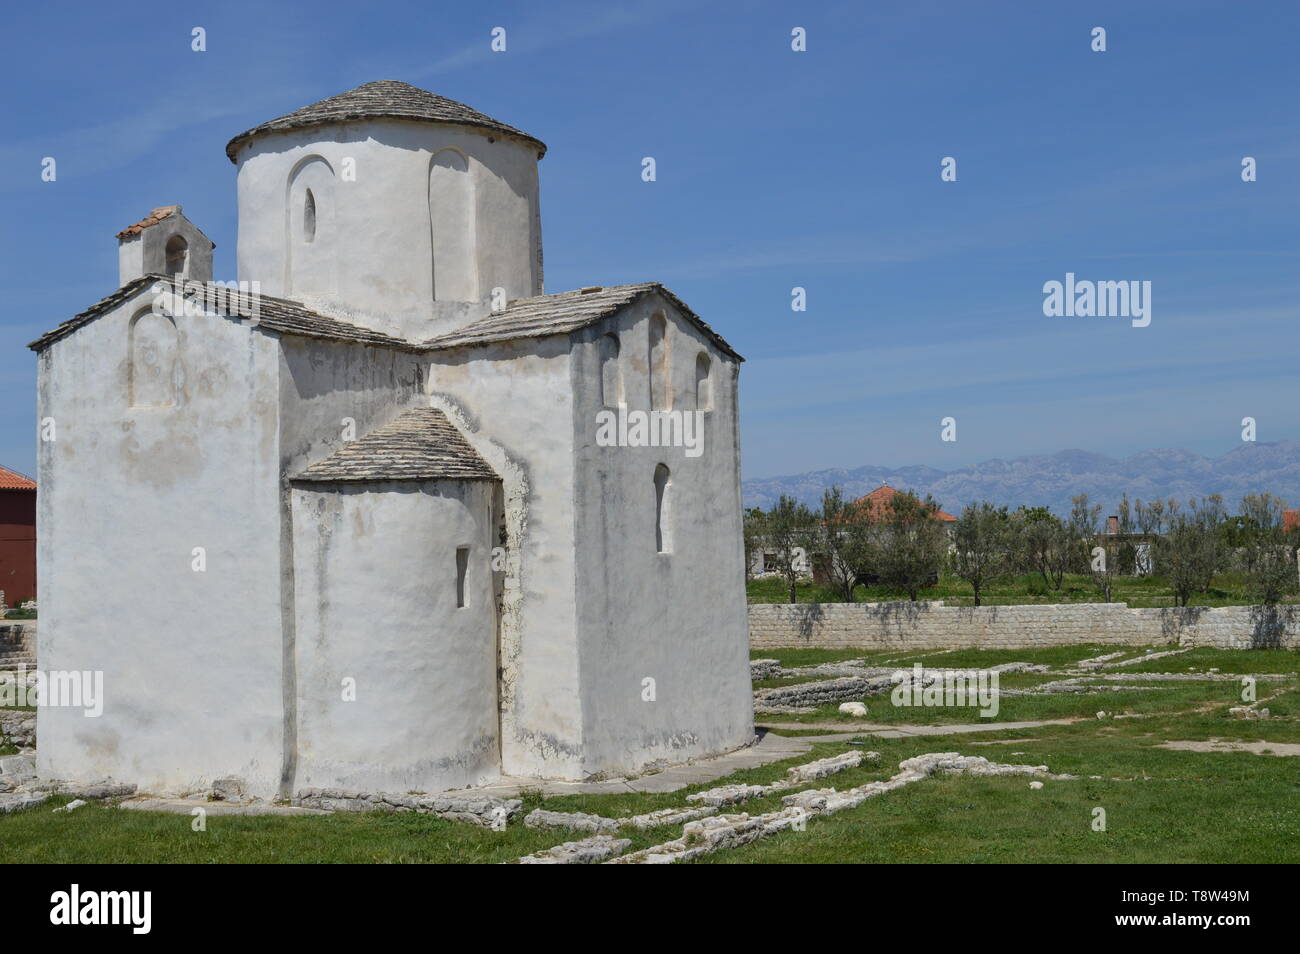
[775, 169]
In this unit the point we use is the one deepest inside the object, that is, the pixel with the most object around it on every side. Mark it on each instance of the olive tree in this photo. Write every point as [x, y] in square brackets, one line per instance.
[982, 546]
[753, 532]
[1266, 555]
[908, 543]
[788, 526]
[842, 541]
[1045, 544]
[1189, 553]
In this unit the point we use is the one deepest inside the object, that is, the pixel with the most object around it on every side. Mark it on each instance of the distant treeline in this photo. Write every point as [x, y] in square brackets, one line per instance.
[903, 543]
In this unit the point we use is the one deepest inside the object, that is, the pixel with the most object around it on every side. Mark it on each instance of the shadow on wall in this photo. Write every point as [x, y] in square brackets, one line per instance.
[987, 615]
[1269, 625]
[807, 617]
[1174, 619]
[900, 616]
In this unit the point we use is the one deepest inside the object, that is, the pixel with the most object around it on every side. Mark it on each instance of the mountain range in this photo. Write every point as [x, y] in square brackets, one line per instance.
[1051, 480]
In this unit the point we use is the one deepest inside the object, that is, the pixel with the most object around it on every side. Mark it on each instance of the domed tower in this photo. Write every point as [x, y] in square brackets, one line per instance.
[392, 206]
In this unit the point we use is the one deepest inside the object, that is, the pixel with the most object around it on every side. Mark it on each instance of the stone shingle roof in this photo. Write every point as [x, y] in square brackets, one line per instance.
[536, 317]
[382, 99]
[561, 313]
[275, 314]
[12, 480]
[420, 444]
[294, 318]
[153, 218]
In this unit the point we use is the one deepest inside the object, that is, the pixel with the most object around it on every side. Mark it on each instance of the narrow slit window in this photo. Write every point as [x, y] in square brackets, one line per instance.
[462, 566]
[663, 535]
[309, 217]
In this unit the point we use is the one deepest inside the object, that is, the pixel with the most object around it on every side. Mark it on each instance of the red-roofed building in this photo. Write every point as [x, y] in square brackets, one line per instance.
[1290, 520]
[17, 537]
[876, 504]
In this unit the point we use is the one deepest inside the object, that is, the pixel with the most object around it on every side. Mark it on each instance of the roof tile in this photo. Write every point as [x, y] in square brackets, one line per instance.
[877, 502]
[153, 218]
[12, 480]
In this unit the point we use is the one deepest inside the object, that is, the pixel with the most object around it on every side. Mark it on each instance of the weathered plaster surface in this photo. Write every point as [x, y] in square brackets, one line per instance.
[677, 618]
[238, 670]
[127, 493]
[513, 401]
[372, 254]
[375, 566]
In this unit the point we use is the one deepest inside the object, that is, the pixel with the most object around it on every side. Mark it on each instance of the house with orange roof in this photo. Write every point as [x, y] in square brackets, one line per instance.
[17, 537]
[877, 503]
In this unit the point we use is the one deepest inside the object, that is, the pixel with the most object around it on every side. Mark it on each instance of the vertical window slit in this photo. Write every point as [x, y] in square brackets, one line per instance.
[309, 217]
[663, 532]
[462, 565]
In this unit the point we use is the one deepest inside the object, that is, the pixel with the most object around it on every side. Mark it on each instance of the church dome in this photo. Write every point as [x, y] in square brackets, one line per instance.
[382, 99]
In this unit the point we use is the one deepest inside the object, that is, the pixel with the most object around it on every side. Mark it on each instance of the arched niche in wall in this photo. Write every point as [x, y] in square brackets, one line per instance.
[611, 371]
[312, 239]
[661, 391]
[177, 256]
[154, 352]
[703, 382]
[452, 227]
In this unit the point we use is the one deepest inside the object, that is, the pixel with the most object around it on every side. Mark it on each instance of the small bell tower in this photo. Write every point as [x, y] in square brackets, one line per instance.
[164, 242]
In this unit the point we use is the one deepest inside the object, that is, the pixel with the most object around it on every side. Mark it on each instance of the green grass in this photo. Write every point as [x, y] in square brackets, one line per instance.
[983, 821]
[1168, 806]
[1225, 660]
[1163, 806]
[1227, 589]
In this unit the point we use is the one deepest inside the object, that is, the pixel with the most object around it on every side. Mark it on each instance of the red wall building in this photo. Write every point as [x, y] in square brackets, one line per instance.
[17, 537]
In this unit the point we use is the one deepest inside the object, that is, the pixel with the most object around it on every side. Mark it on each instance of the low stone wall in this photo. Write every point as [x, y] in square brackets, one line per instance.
[17, 639]
[933, 625]
[18, 727]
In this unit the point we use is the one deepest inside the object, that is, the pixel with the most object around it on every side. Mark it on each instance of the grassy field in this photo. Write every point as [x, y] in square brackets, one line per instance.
[1138, 697]
[1161, 805]
[1228, 589]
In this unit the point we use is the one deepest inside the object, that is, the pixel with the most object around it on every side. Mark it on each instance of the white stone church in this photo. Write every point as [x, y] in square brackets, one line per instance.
[365, 536]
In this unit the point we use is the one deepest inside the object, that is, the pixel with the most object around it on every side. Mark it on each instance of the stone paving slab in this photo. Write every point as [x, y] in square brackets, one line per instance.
[844, 732]
[769, 748]
[184, 806]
